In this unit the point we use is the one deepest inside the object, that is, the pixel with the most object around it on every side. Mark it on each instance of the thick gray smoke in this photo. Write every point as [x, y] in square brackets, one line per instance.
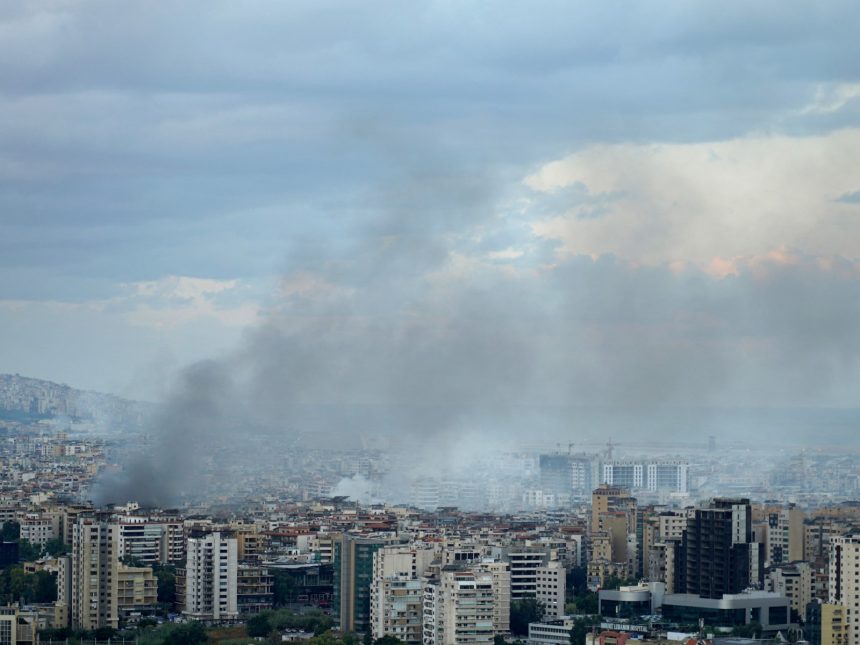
[402, 334]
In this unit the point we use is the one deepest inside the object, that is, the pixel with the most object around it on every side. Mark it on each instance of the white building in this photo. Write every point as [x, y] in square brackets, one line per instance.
[458, 608]
[151, 542]
[396, 593]
[669, 475]
[211, 572]
[844, 581]
[38, 528]
[550, 580]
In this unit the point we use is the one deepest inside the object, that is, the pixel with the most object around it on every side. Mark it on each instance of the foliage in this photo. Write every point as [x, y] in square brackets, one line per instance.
[614, 582]
[581, 627]
[10, 532]
[576, 580]
[56, 548]
[325, 638]
[524, 612]
[28, 551]
[176, 634]
[498, 639]
[131, 561]
[16, 584]
[283, 587]
[258, 625]
[388, 640]
[166, 576]
[750, 630]
[586, 603]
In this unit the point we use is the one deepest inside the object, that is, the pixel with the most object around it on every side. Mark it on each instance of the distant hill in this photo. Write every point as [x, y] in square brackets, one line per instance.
[29, 399]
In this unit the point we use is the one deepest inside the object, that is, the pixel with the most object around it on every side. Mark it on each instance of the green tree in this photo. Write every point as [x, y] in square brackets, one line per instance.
[326, 638]
[10, 532]
[498, 639]
[258, 625]
[750, 630]
[524, 612]
[587, 603]
[28, 551]
[576, 580]
[283, 588]
[166, 577]
[44, 587]
[388, 640]
[57, 547]
[581, 627]
[186, 634]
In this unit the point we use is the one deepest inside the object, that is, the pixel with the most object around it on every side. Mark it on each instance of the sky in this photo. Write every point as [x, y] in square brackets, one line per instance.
[459, 206]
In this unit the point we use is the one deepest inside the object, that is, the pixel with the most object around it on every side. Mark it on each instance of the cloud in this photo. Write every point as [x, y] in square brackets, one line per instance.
[697, 202]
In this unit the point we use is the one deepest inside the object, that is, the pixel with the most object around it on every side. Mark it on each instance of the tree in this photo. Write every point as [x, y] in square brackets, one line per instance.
[750, 630]
[388, 640]
[166, 576]
[10, 532]
[283, 589]
[498, 639]
[326, 638]
[524, 612]
[587, 603]
[28, 551]
[580, 630]
[258, 625]
[44, 587]
[56, 547]
[576, 580]
[186, 634]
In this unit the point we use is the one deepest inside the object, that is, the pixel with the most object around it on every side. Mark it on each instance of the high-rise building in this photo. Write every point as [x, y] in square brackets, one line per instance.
[835, 625]
[95, 566]
[353, 575]
[844, 583]
[717, 551]
[564, 475]
[784, 536]
[211, 573]
[396, 597]
[459, 607]
[551, 584]
[501, 577]
[667, 475]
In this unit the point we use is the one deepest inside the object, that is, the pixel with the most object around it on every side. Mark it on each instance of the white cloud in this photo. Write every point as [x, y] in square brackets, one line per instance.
[178, 300]
[832, 98]
[706, 201]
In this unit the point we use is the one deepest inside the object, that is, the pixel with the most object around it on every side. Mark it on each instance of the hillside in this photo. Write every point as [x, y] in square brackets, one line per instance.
[28, 399]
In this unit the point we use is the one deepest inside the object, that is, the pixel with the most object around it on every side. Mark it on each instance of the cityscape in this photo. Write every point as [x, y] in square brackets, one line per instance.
[429, 322]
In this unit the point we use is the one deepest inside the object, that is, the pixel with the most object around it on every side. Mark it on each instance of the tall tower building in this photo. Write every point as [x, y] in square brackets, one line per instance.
[396, 596]
[95, 565]
[211, 573]
[844, 582]
[459, 607]
[353, 575]
[717, 551]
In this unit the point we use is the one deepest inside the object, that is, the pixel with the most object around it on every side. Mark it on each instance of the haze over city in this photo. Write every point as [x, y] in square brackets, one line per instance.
[291, 281]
